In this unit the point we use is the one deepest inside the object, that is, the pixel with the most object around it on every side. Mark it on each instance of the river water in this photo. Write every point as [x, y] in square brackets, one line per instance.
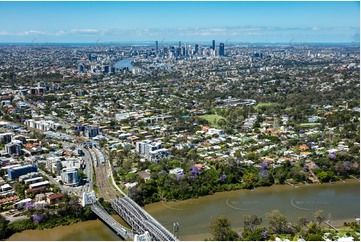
[339, 201]
[124, 63]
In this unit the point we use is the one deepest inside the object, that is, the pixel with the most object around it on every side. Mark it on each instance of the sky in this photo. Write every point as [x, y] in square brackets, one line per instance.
[241, 21]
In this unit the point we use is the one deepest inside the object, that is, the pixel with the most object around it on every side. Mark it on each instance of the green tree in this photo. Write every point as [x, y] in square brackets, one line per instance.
[250, 180]
[277, 221]
[314, 237]
[325, 176]
[251, 156]
[251, 222]
[220, 228]
[319, 217]
[302, 221]
[3, 227]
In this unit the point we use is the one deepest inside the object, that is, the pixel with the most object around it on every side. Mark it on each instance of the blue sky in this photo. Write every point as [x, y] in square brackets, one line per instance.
[185, 21]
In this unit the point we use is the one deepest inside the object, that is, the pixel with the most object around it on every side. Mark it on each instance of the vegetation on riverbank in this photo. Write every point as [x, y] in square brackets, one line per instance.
[262, 154]
[225, 176]
[69, 211]
[278, 227]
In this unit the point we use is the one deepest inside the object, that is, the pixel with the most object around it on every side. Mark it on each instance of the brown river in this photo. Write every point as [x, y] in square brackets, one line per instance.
[340, 202]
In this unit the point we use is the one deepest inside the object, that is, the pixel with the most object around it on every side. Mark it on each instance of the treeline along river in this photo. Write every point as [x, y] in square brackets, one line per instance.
[339, 201]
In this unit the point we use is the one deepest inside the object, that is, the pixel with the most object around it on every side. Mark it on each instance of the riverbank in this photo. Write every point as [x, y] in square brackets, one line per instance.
[339, 200]
[86, 230]
[177, 205]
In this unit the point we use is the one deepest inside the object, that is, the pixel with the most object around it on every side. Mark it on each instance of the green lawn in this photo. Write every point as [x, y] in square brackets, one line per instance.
[212, 119]
[266, 105]
[310, 124]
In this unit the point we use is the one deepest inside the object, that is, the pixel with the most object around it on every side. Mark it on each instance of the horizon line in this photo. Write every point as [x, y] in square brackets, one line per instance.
[174, 42]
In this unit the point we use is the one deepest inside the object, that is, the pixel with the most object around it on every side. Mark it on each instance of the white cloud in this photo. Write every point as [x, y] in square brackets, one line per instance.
[24, 33]
[181, 31]
[85, 31]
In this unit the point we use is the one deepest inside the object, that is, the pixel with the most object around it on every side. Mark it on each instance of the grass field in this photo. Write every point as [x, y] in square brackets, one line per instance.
[310, 124]
[212, 119]
[266, 105]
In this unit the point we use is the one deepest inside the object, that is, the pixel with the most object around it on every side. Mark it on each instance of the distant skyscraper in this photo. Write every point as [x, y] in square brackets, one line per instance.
[213, 44]
[179, 44]
[178, 51]
[196, 49]
[221, 49]
[156, 46]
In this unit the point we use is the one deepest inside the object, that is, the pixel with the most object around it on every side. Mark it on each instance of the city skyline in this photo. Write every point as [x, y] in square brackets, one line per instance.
[90, 22]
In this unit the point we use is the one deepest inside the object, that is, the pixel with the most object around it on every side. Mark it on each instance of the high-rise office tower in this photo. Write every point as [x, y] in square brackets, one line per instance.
[221, 49]
[196, 49]
[183, 51]
[156, 46]
[178, 52]
[179, 44]
[213, 44]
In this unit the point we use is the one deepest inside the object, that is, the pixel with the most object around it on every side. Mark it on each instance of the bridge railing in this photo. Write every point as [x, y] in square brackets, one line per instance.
[150, 218]
[140, 219]
[111, 222]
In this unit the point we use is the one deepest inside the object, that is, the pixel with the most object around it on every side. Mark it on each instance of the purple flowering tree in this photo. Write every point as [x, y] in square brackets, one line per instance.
[331, 156]
[28, 206]
[263, 173]
[37, 218]
[194, 171]
[346, 165]
[264, 234]
[179, 176]
[223, 178]
[263, 165]
[162, 172]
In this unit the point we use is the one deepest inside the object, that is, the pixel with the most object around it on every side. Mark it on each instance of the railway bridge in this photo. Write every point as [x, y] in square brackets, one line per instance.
[144, 226]
[140, 220]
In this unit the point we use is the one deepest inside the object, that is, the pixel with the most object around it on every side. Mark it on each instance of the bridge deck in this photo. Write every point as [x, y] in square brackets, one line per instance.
[122, 231]
[140, 220]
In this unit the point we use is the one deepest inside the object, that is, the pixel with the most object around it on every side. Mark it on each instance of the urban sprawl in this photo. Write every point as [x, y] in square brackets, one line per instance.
[170, 122]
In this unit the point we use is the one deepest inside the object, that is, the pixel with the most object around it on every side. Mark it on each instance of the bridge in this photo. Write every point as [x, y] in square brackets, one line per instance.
[140, 220]
[90, 199]
[144, 226]
[142, 223]
[119, 229]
